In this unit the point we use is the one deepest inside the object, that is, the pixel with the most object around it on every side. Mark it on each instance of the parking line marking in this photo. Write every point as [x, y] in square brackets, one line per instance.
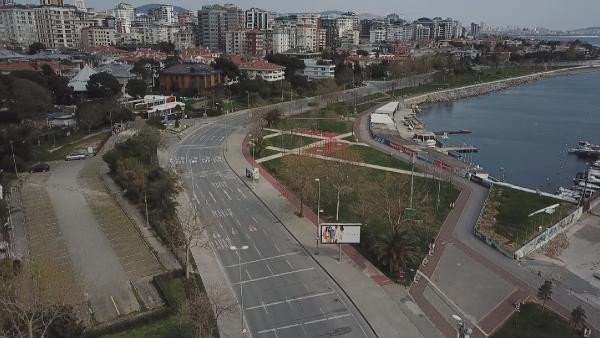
[226, 194]
[290, 300]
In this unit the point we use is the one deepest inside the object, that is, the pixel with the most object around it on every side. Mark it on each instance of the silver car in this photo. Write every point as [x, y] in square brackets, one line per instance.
[77, 155]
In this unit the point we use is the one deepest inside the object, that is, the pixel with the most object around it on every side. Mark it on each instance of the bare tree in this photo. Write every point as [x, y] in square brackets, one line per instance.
[341, 176]
[29, 307]
[301, 172]
[190, 234]
[203, 308]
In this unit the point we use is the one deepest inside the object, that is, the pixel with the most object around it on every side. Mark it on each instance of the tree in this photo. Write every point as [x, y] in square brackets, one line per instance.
[545, 293]
[272, 116]
[204, 308]
[29, 308]
[300, 172]
[103, 85]
[578, 318]
[189, 234]
[136, 88]
[36, 47]
[341, 177]
[396, 248]
[225, 65]
[165, 47]
[291, 64]
[17, 94]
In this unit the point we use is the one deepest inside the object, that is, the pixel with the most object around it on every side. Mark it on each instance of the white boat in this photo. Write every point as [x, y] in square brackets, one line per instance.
[596, 164]
[568, 193]
[588, 185]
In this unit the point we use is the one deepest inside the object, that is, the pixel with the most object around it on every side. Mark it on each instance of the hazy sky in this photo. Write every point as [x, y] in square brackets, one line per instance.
[557, 14]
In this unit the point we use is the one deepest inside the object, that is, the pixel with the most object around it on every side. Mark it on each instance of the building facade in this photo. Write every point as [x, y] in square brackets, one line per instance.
[97, 36]
[56, 26]
[194, 77]
[264, 70]
[18, 24]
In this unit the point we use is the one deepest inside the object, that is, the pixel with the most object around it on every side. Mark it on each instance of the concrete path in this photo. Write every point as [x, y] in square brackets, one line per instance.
[104, 280]
[396, 316]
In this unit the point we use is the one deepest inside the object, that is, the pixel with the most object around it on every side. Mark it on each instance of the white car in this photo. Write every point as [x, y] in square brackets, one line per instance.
[78, 155]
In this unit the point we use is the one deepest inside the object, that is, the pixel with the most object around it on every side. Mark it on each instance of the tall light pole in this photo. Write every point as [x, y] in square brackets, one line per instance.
[412, 180]
[237, 251]
[253, 162]
[318, 215]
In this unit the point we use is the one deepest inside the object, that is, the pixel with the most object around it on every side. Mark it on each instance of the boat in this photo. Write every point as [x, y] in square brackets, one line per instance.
[563, 192]
[596, 164]
[585, 149]
[588, 192]
[588, 185]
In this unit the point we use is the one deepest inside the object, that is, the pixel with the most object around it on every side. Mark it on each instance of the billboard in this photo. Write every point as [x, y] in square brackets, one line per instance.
[339, 233]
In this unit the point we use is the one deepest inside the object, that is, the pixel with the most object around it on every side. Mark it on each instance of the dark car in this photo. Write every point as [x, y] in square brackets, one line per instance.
[40, 167]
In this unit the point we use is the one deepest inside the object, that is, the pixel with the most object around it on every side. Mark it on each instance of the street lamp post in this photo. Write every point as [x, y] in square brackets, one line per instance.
[237, 251]
[318, 215]
[12, 150]
[253, 162]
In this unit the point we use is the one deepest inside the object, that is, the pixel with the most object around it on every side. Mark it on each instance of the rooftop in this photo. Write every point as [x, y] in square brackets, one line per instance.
[260, 65]
[190, 69]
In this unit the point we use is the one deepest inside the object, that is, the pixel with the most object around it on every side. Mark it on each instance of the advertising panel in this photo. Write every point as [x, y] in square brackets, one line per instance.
[336, 233]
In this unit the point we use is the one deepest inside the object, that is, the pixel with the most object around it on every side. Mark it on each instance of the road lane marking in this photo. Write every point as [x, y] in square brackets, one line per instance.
[272, 276]
[213, 197]
[226, 194]
[263, 259]
[305, 323]
[291, 300]
[241, 193]
[276, 247]
[269, 268]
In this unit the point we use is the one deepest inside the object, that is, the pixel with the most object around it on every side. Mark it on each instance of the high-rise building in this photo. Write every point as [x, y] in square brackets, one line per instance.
[306, 32]
[56, 26]
[97, 36]
[284, 35]
[124, 17]
[235, 42]
[257, 19]
[255, 43]
[18, 24]
[166, 15]
[330, 30]
[213, 23]
[7, 2]
[475, 30]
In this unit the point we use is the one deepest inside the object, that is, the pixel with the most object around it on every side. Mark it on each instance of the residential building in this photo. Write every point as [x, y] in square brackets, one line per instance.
[52, 2]
[475, 30]
[166, 15]
[421, 32]
[262, 69]
[198, 78]
[124, 15]
[235, 42]
[187, 19]
[377, 35]
[184, 38]
[18, 24]
[97, 36]
[350, 39]
[306, 32]
[315, 69]
[7, 2]
[213, 23]
[284, 38]
[56, 26]
[330, 30]
[257, 19]
[255, 43]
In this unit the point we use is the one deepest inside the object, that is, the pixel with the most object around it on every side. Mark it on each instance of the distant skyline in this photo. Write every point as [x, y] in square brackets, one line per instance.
[554, 14]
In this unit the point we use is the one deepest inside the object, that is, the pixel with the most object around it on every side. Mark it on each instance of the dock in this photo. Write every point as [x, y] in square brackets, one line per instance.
[460, 149]
[452, 132]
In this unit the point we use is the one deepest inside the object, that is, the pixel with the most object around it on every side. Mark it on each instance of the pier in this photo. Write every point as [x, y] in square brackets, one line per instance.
[460, 149]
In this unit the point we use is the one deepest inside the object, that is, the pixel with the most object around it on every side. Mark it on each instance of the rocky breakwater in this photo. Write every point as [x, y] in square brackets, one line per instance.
[488, 87]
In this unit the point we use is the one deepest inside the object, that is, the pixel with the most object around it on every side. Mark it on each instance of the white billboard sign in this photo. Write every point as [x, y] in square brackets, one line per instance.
[340, 233]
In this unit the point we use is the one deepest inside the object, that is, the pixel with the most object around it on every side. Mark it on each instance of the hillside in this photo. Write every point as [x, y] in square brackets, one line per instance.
[146, 8]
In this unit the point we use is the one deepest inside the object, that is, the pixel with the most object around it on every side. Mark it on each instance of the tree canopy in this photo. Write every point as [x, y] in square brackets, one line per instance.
[103, 85]
[136, 88]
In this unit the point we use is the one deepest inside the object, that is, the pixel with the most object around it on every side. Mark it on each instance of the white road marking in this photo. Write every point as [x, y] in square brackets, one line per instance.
[277, 275]
[254, 219]
[213, 197]
[233, 231]
[291, 300]
[226, 194]
[274, 330]
[276, 247]
[269, 268]
[241, 193]
[263, 259]
[289, 264]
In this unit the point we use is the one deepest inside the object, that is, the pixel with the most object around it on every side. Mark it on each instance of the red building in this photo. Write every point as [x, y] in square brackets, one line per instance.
[255, 43]
[199, 79]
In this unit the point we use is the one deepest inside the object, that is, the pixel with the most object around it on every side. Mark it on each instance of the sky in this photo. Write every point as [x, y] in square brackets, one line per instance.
[554, 14]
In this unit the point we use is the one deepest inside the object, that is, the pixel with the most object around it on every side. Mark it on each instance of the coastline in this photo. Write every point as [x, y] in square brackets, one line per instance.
[489, 87]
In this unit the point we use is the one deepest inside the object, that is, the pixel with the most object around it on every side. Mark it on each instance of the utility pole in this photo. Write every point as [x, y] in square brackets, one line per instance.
[412, 180]
[318, 215]
[237, 250]
[12, 150]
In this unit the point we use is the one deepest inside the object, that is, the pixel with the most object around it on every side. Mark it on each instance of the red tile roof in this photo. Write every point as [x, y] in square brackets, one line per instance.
[261, 65]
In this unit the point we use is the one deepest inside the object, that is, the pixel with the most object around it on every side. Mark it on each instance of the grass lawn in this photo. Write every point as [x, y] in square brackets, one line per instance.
[66, 145]
[173, 286]
[267, 152]
[533, 322]
[372, 156]
[289, 141]
[350, 138]
[163, 328]
[361, 204]
[330, 118]
[507, 215]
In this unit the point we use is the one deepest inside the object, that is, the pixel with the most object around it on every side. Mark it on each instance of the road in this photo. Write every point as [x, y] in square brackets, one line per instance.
[285, 292]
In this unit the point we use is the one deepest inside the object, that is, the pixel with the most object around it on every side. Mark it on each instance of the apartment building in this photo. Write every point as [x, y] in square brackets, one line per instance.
[18, 24]
[215, 21]
[97, 36]
[56, 25]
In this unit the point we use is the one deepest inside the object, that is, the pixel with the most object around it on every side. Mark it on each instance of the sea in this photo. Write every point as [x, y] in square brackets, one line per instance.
[591, 39]
[524, 132]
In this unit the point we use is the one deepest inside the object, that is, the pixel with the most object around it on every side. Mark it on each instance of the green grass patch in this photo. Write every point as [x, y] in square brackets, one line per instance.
[532, 321]
[350, 138]
[331, 119]
[363, 201]
[49, 151]
[289, 141]
[507, 212]
[161, 328]
[372, 156]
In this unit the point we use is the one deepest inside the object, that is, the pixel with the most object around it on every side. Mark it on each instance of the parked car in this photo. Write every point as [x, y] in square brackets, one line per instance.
[76, 155]
[40, 167]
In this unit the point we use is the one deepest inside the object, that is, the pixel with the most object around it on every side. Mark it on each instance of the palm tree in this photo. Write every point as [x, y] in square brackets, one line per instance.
[578, 318]
[545, 293]
[396, 248]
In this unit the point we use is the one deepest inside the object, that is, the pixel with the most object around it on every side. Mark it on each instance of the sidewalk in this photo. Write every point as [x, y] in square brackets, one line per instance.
[387, 307]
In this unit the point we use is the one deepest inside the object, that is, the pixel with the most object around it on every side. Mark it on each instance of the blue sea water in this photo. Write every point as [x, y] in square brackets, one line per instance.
[527, 130]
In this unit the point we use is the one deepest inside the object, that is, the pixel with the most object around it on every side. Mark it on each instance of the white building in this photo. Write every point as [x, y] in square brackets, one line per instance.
[257, 19]
[315, 69]
[262, 69]
[306, 32]
[377, 35]
[97, 36]
[167, 15]
[284, 37]
[185, 38]
[124, 17]
[18, 24]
